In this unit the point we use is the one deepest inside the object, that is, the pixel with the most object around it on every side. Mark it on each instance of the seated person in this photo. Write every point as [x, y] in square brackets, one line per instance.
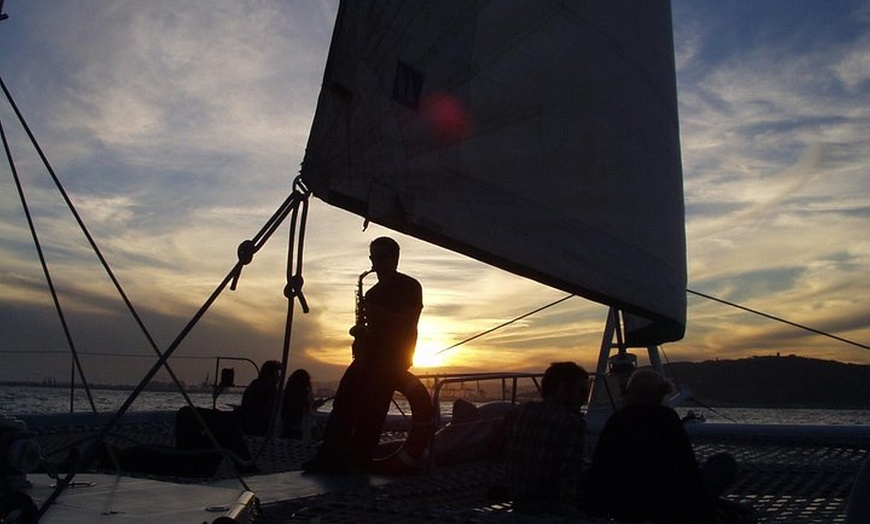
[544, 440]
[194, 454]
[258, 400]
[298, 406]
[644, 467]
[473, 433]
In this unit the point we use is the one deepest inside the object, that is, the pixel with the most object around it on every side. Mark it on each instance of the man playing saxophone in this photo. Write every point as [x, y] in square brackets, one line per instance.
[385, 336]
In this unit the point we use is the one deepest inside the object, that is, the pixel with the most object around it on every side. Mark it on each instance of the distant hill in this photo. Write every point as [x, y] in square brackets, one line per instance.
[774, 381]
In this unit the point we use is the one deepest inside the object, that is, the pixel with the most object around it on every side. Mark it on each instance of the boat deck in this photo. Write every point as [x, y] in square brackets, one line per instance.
[804, 482]
[808, 484]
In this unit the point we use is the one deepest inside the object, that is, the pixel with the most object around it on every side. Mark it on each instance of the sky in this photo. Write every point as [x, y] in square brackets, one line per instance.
[177, 129]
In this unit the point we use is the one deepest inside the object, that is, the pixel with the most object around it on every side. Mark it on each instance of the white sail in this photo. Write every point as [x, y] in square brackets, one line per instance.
[541, 137]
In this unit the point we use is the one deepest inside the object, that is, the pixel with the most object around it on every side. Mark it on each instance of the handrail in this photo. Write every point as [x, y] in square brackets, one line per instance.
[218, 387]
[442, 380]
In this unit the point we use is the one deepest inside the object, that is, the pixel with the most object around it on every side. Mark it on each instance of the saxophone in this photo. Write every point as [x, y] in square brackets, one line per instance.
[358, 331]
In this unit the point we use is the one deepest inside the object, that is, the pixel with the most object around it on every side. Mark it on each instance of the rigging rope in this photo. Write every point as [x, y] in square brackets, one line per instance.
[710, 297]
[690, 395]
[54, 296]
[245, 254]
[504, 324]
[292, 290]
[262, 236]
[123, 295]
[779, 319]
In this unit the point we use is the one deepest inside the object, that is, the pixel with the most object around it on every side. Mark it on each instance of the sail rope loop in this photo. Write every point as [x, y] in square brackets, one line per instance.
[292, 291]
[290, 204]
[248, 248]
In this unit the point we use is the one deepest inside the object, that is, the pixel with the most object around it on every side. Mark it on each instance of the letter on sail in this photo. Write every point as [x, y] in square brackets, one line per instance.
[540, 137]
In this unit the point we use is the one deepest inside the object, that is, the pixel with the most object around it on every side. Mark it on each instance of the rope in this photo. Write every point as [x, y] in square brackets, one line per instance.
[504, 324]
[245, 255]
[779, 319]
[248, 248]
[54, 296]
[692, 397]
[97, 251]
[292, 290]
[162, 362]
[261, 237]
[715, 299]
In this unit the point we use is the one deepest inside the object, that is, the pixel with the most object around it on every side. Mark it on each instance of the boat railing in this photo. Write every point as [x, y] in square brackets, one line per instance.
[227, 376]
[509, 385]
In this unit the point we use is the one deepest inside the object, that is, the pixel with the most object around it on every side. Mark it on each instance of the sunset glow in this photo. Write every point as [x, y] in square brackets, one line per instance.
[429, 347]
[173, 161]
[427, 355]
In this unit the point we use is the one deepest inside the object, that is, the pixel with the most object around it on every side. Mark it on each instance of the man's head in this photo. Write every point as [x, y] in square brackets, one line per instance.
[384, 254]
[565, 382]
[271, 371]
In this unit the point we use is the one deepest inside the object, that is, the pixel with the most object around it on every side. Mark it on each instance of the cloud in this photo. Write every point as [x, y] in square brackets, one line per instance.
[178, 129]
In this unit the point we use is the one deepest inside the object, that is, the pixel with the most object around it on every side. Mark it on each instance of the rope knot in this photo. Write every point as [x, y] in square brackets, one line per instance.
[293, 289]
[246, 251]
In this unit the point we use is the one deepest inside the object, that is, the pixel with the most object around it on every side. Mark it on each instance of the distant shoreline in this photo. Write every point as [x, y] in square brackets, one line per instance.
[170, 388]
[764, 382]
[158, 386]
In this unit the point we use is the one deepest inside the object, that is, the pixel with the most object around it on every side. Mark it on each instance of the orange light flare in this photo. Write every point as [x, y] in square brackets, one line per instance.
[427, 354]
[430, 346]
[447, 115]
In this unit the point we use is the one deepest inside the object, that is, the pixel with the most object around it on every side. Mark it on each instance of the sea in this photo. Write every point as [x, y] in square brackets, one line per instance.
[31, 400]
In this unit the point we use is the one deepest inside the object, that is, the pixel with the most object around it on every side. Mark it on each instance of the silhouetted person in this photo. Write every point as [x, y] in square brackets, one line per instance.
[544, 444]
[383, 350]
[259, 398]
[644, 467]
[298, 406]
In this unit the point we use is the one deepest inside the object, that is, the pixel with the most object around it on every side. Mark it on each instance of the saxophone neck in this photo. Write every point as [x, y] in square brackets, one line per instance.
[365, 274]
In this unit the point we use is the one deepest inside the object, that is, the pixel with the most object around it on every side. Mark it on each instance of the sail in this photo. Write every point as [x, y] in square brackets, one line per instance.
[540, 137]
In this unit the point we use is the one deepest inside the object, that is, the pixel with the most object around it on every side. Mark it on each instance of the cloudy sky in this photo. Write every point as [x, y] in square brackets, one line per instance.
[178, 127]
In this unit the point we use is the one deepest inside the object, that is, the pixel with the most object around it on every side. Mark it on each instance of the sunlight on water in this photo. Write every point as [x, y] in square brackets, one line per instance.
[822, 417]
[21, 400]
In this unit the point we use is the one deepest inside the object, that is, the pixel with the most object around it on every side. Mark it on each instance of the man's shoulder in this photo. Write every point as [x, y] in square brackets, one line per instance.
[408, 284]
[407, 280]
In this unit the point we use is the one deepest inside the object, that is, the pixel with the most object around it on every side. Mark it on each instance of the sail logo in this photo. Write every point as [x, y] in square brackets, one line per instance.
[407, 86]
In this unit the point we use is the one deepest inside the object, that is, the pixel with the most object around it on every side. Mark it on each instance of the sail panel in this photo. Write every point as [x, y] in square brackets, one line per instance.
[540, 137]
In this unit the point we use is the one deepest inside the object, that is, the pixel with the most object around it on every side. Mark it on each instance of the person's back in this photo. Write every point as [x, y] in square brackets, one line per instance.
[544, 444]
[258, 399]
[644, 467]
[297, 406]
[544, 450]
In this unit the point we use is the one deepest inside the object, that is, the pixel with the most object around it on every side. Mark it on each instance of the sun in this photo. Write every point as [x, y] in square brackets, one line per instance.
[427, 354]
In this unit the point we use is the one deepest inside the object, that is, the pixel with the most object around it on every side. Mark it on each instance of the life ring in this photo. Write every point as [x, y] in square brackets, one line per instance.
[410, 457]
